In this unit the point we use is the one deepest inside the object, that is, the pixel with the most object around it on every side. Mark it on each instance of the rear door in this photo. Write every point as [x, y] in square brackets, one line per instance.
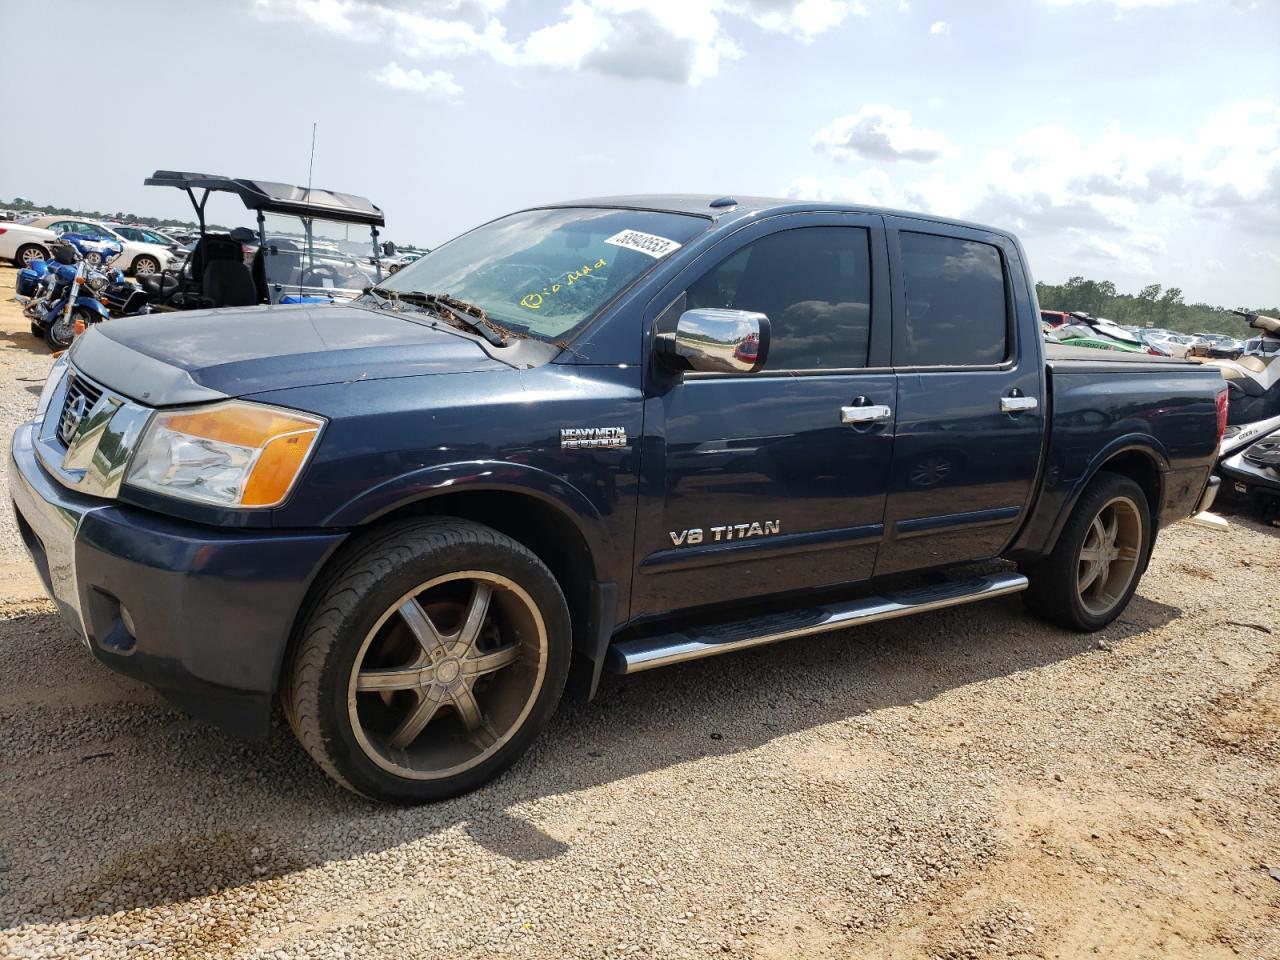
[970, 398]
[760, 483]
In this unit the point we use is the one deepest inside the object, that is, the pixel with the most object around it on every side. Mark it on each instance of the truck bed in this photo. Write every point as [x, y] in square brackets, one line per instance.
[1079, 359]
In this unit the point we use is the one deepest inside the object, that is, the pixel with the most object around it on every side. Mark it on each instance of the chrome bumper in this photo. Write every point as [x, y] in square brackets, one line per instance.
[49, 517]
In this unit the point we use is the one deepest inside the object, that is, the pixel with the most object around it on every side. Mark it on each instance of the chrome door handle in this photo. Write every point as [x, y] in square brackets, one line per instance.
[1018, 404]
[870, 414]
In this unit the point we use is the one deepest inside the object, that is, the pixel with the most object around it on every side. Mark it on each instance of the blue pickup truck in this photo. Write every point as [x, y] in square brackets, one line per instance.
[610, 434]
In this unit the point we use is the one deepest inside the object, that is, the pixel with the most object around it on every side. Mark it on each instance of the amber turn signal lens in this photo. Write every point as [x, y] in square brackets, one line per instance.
[282, 438]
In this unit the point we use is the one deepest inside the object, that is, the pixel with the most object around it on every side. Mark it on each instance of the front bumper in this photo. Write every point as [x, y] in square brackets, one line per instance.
[202, 614]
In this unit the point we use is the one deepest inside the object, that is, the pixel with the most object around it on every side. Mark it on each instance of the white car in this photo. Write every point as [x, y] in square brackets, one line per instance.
[1176, 343]
[23, 243]
[139, 258]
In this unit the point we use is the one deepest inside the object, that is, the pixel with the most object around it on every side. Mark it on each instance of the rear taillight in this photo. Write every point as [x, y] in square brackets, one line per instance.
[1222, 413]
[4, 229]
[1154, 352]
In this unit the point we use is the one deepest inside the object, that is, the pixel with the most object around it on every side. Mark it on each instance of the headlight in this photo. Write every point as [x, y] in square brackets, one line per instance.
[96, 281]
[56, 373]
[233, 454]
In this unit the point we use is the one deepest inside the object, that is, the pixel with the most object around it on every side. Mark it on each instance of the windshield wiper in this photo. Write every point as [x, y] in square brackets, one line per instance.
[451, 310]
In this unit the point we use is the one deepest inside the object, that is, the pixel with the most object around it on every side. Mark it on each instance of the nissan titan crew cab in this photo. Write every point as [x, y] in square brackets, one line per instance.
[617, 433]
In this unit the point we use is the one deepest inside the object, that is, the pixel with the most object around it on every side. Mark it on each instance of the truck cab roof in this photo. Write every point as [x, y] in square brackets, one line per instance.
[724, 209]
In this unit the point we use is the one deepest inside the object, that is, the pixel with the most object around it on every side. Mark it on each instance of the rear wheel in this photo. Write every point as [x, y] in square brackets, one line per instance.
[434, 655]
[29, 253]
[1100, 557]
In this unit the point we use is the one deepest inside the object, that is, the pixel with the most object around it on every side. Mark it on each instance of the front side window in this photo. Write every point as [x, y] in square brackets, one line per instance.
[546, 273]
[814, 285]
[956, 311]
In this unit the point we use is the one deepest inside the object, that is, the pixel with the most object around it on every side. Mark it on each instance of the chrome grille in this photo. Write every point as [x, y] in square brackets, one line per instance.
[82, 396]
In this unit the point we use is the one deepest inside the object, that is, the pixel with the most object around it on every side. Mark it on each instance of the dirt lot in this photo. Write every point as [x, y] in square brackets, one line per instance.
[962, 785]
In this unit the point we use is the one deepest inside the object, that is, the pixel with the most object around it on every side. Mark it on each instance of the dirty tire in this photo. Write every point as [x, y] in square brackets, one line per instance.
[1054, 592]
[364, 584]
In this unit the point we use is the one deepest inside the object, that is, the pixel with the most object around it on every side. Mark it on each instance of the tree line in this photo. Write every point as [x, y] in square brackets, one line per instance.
[1152, 306]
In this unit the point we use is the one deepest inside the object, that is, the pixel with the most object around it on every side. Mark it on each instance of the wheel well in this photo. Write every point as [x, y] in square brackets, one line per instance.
[1142, 470]
[546, 531]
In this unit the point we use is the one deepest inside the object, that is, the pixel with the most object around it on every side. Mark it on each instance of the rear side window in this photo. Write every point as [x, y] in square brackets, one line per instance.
[813, 283]
[956, 312]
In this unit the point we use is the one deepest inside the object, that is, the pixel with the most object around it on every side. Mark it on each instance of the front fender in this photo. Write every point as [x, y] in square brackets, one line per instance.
[91, 304]
[478, 476]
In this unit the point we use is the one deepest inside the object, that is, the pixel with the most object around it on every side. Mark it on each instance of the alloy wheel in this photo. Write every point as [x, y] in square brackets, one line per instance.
[447, 675]
[1110, 555]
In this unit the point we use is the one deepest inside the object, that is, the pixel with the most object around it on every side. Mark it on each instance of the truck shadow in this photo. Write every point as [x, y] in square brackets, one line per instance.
[225, 812]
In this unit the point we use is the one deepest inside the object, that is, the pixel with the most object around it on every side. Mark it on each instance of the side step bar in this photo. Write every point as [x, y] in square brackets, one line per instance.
[633, 656]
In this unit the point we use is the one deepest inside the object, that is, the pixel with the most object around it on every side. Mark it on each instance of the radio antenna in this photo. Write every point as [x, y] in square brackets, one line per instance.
[306, 222]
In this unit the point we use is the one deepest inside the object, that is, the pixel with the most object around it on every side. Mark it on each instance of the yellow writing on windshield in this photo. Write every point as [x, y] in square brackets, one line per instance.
[534, 301]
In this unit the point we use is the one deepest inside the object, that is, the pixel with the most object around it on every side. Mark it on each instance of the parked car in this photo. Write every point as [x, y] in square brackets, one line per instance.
[1055, 318]
[139, 258]
[417, 516]
[1176, 343]
[23, 244]
[140, 234]
[1216, 345]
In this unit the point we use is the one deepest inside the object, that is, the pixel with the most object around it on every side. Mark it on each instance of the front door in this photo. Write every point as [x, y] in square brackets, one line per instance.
[763, 483]
[970, 403]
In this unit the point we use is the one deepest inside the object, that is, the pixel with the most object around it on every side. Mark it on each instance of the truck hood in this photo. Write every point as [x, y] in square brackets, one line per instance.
[173, 358]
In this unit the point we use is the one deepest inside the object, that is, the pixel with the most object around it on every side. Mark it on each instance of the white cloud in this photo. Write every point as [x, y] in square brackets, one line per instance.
[1108, 198]
[677, 42]
[802, 18]
[940, 28]
[1119, 4]
[437, 83]
[680, 41]
[880, 132]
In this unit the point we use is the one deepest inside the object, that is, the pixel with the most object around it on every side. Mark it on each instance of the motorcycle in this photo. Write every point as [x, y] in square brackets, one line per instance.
[1253, 379]
[59, 306]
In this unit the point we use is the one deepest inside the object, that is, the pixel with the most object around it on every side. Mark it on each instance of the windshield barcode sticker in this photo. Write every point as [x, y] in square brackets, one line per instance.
[645, 243]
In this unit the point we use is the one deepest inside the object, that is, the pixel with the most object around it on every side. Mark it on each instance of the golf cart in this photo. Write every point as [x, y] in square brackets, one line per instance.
[301, 252]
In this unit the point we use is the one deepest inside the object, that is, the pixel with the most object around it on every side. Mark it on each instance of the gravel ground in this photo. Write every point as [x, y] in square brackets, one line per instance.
[965, 784]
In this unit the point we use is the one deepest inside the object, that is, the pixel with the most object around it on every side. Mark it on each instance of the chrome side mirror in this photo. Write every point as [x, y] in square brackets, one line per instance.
[714, 340]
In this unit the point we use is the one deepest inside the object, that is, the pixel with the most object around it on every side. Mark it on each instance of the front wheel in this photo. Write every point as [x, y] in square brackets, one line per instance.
[432, 657]
[1092, 573]
[62, 330]
[145, 266]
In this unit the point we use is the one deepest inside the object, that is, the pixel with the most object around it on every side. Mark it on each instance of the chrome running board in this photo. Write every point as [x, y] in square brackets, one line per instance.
[632, 656]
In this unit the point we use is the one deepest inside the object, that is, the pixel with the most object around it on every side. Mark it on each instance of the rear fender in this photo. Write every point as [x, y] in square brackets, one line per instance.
[1144, 444]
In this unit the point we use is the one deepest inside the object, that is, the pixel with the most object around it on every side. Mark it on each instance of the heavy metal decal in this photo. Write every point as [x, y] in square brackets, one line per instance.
[578, 438]
[730, 531]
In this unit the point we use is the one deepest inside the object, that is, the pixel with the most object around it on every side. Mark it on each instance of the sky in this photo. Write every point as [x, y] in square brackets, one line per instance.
[1130, 140]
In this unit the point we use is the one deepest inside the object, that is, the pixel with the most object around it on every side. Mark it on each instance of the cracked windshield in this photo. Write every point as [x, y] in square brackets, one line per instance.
[545, 273]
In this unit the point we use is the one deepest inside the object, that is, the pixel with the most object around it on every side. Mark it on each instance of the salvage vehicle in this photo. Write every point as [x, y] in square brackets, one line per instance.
[23, 245]
[242, 268]
[609, 434]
